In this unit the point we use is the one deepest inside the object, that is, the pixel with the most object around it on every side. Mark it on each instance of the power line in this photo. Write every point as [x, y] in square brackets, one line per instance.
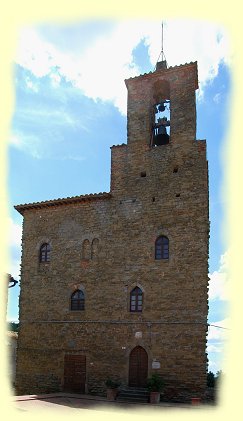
[148, 322]
[219, 327]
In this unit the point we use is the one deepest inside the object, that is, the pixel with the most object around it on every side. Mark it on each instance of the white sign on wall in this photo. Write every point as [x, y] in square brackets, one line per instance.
[138, 335]
[155, 364]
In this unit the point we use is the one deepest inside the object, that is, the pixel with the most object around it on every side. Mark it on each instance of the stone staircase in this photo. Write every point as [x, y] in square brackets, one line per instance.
[133, 394]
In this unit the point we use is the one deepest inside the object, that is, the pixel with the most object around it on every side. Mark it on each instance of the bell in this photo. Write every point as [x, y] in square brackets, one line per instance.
[161, 139]
[161, 136]
[161, 107]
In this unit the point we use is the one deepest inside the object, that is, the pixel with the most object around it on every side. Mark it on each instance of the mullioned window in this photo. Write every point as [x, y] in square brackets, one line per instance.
[45, 251]
[162, 248]
[136, 300]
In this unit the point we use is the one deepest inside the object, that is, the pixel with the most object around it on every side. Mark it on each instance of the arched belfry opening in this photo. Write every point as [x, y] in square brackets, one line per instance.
[160, 113]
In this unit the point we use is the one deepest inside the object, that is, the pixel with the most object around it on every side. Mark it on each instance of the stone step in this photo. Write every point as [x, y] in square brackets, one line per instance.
[133, 389]
[132, 399]
[135, 392]
[129, 394]
[135, 395]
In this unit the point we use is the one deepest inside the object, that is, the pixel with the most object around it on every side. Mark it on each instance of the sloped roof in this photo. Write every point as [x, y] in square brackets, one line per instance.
[170, 68]
[61, 201]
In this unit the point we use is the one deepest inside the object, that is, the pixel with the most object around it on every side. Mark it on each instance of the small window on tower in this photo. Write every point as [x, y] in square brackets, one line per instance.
[162, 248]
[44, 256]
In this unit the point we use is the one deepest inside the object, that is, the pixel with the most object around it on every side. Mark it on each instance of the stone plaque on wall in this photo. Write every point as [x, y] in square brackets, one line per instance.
[155, 364]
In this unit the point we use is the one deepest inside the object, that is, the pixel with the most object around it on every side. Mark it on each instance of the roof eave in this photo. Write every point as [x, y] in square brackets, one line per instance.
[58, 202]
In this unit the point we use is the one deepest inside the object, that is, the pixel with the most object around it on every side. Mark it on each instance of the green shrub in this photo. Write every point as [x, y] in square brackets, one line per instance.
[155, 383]
[111, 384]
[210, 379]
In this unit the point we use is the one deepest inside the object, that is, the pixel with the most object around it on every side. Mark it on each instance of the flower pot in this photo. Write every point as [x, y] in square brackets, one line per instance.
[196, 401]
[111, 394]
[154, 397]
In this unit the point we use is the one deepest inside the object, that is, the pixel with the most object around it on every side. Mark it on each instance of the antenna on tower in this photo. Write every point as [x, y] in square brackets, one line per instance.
[163, 63]
[162, 41]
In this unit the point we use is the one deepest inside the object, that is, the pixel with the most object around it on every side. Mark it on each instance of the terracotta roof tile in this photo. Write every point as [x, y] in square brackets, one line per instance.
[120, 145]
[61, 201]
[168, 68]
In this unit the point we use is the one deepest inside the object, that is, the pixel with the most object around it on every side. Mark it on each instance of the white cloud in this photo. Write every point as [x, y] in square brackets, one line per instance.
[27, 142]
[216, 340]
[35, 54]
[14, 241]
[99, 71]
[57, 117]
[214, 348]
[217, 98]
[219, 333]
[40, 124]
[218, 283]
[70, 157]
[15, 268]
[224, 261]
[15, 233]
[31, 85]
[213, 366]
[15, 140]
[55, 79]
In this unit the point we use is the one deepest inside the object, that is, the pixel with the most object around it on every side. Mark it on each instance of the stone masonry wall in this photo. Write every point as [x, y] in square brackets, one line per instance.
[175, 346]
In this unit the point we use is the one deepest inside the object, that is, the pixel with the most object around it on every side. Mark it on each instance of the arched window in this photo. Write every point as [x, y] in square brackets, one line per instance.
[94, 248]
[77, 300]
[161, 113]
[162, 248]
[136, 300]
[45, 251]
[86, 250]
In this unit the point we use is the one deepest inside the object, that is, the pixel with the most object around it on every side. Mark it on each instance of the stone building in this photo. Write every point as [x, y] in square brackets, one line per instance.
[115, 284]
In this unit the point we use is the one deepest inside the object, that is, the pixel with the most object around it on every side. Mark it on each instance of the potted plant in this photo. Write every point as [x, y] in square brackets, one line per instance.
[112, 389]
[155, 385]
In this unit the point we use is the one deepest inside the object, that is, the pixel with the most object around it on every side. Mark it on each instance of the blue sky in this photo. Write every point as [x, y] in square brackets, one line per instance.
[70, 107]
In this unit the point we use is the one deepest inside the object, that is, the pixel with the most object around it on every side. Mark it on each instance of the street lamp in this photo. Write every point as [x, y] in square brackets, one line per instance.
[11, 281]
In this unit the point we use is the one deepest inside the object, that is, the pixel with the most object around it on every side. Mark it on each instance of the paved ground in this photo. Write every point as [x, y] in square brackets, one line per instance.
[72, 402]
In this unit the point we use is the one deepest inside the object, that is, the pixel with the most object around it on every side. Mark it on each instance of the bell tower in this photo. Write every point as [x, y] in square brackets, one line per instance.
[161, 106]
[159, 181]
[161, 131]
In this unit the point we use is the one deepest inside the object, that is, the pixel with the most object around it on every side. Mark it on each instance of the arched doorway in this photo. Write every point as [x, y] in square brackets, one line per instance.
[138, 367]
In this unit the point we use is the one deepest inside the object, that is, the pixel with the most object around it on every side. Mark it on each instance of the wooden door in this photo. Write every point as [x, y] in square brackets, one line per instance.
[138, 367]
[74, 373]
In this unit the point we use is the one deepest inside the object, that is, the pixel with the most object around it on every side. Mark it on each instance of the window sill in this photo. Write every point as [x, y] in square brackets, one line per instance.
[162, 260]
[43, 266]
[138, 313]
[76, 311]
